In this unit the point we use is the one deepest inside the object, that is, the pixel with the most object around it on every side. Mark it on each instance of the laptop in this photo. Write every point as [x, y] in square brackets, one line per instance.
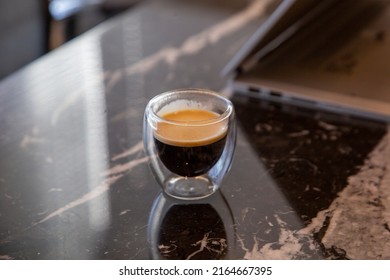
[329, 54]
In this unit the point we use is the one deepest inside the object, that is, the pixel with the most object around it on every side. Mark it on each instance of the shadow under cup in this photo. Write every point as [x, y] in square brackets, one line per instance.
[189, 136]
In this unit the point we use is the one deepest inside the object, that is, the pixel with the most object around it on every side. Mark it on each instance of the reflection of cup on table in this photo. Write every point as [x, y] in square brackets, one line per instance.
[190, 230]
[190, 137]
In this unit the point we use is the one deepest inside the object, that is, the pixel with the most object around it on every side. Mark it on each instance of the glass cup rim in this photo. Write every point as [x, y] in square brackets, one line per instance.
[213, 121]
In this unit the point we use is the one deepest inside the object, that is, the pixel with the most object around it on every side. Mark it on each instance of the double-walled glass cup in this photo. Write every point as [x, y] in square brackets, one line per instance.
[189, 136]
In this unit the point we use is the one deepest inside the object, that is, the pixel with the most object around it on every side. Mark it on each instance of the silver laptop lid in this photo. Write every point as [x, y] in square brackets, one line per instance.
[331, 54]
[286, 18]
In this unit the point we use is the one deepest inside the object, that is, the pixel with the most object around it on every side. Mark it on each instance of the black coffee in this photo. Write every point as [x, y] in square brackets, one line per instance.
[190, 150]
[190, 161]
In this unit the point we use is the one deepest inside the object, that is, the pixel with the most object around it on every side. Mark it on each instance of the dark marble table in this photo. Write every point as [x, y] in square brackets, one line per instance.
[74, 179]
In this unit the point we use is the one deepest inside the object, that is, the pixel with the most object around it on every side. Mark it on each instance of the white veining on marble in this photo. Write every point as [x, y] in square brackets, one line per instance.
[329, 131]
[112, 175]
[193, 44]
[136, 109]
[6, 257]
[32, 138]
[129, 113]
[357, 222]
[208, 244]
[170, 55]
[245, 212]
[55, 190]
[288, 246]
[102, 188]
[165, 250]
[112, 77]
[135, 149]
[124, 212]
[69, 100]
[359, 218]
[122, 168]
[327, 126]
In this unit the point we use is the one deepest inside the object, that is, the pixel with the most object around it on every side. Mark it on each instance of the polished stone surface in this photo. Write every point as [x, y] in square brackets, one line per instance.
[74, 179]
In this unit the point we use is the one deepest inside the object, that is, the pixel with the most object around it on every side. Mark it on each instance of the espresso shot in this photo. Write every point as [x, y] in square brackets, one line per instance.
[189, 136]
[189, 143]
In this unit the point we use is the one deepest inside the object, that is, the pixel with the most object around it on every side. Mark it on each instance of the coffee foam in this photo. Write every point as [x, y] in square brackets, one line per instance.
[181, 130]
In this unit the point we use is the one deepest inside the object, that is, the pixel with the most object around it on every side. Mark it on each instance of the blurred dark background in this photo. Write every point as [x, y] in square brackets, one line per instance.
[31, 28]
